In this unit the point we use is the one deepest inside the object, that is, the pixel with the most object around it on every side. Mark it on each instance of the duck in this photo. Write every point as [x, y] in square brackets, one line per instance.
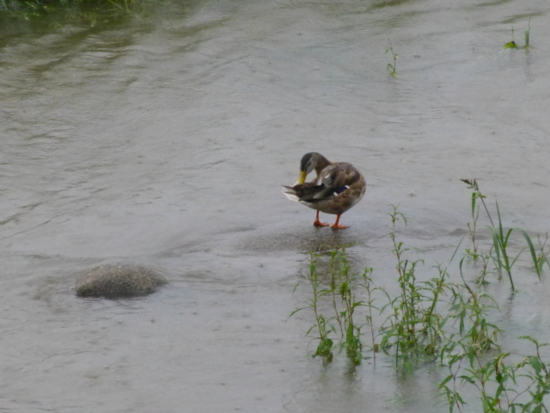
[337, 187]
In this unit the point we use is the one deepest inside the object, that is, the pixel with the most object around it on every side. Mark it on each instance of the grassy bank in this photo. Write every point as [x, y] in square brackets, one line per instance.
[87, 11]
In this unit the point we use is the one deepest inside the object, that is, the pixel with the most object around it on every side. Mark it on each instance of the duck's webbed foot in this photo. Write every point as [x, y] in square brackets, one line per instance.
[336, 224]
[318, 223]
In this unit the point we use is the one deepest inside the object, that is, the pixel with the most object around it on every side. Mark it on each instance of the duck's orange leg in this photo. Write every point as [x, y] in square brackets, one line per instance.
[336, 226]
[318, 223]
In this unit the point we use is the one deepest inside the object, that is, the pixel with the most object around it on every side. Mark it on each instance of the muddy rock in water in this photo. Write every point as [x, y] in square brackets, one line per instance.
[122, 280]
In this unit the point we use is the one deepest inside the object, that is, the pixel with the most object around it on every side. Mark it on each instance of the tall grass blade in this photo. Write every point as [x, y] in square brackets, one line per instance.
[527, 33]
[536, 263]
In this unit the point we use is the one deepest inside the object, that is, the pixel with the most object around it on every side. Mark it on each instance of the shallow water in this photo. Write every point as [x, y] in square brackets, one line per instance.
[164, 140]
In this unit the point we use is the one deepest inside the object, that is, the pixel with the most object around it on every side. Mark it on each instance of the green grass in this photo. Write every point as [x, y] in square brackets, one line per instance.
[322, 326]
[338, 329]
[88, 11]
[447, 324]
[499, 252]
[345, 304]
[526, 33]
[512, 43]
[502, 387]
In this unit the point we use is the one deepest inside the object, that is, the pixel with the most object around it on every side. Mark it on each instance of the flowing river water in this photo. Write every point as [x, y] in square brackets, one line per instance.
[163, 140]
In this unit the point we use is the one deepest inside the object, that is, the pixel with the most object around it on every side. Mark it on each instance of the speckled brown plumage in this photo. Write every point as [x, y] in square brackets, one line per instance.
[337, 187]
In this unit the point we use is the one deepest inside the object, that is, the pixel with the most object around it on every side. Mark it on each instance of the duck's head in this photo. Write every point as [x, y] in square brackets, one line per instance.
[309, 162]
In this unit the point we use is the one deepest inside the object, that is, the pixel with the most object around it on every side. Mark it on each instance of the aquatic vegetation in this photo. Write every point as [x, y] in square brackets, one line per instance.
[518, 387]
[540, 258]
[324, 329]
[475, 253]
[475, 337]
[527, 33]
[341, 294]
[512, 43]
[472, 228]
[413, 328]
[413, 324]
[89, 11]
[471, 310]
[368, 285]
[447, 324]
[341, 286]
[392, 67]
[499, 253]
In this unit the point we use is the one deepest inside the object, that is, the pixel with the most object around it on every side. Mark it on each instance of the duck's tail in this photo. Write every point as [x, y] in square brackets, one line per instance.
[290, 193]
[304, 193]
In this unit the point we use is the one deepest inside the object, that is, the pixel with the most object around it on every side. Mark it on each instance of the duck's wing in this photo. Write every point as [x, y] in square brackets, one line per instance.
[336, 179]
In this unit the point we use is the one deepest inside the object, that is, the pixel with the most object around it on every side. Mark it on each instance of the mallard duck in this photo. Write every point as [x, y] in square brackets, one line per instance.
[337, 187]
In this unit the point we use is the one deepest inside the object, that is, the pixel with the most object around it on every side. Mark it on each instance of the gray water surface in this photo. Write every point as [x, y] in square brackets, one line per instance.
[163, 140]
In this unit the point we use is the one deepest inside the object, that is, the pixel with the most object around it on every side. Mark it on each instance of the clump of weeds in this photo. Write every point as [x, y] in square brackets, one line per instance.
[340, 292]
[88, 12]
[344, 303]
[448, 324]
[512, 43]
[502, 387]
[500, 250]
[322, 324]
[414, 327]
[368, 285]
[526, 33]
[539, 258]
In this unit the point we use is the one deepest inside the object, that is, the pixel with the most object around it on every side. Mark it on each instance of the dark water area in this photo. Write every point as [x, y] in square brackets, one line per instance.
[163, 140]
